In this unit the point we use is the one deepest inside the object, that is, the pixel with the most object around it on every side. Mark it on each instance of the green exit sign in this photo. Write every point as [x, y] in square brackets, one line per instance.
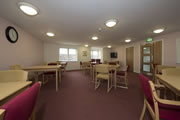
[149, 40]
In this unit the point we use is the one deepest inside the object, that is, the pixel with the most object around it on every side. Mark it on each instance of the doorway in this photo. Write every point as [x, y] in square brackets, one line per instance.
[151, 55]
[146, 58]
[130, 58]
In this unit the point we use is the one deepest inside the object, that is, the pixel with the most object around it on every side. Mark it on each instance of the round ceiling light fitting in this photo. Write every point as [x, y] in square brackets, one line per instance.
[128, 40]
[160, 30]
[28, 8]
[50, 34]
[94, 38]
[111, 23]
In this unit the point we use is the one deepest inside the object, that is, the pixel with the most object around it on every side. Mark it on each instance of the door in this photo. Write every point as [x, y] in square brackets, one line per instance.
[157, 53]
[130, 58]
[146, 58]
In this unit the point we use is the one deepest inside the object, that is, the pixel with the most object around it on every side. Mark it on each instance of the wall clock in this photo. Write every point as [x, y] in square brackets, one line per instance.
[11, 34]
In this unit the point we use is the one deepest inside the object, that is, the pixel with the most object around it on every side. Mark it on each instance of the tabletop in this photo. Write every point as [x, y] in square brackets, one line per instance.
[42, 67]
[9, 88]
[171, 81]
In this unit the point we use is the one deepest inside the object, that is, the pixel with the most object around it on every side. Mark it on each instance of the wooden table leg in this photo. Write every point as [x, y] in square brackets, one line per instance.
[57, 80]
[36, 78]
[93, 74]
[115, 79]
[59, 75]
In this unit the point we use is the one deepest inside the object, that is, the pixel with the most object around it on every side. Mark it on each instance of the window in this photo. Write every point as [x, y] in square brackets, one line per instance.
[96, 53]
[67, 54]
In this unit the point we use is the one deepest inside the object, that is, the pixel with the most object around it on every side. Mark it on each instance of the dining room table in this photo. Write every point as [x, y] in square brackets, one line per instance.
[170, 81]
[8, 90]
[46, 68]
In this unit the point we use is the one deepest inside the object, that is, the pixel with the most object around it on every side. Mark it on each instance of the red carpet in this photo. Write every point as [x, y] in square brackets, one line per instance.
[77, 100]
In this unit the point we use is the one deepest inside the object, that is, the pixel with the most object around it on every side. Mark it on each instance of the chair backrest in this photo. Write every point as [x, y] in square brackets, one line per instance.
[86, 64]
[13, 75]
[159, 68]
[52, 63]
[105, 62]
[22, 106]
[127, 68]
[98, 60]
[44, 63]
[93, 60]
[146, 87]
[102, 68]
[112, 63]
[58, 62]
[171, 71]
[16, 67]
[117, 62]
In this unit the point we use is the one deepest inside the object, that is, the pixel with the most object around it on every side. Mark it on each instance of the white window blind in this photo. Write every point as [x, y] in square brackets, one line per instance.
[67, 54]
[96, 53]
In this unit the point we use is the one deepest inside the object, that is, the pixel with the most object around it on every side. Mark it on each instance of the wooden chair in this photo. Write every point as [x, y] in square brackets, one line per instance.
[44, 63]
[19, 67]
[159, 68]
[13, 76]
[112, 63]
[98, 61]
[153, 71]
[63, 67]
[86, 66]
[48, 74]
[22, 107]
[122, 75]
[93, 60]
[16, 67]
[81, 65]
[164, 109]
[158, 108]
[102, 73]
[105, 62]
[171, 71]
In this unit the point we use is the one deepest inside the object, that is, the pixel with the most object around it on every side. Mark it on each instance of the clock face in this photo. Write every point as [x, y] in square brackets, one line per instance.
[11, 34]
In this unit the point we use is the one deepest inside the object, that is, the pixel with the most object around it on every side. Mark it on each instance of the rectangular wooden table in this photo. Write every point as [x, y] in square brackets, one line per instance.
[10, 89]
[172, 82]
[44, 68]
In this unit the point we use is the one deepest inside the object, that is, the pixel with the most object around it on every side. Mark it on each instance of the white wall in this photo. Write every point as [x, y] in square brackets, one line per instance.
[26, 51]
[168, 50]
[51, 54]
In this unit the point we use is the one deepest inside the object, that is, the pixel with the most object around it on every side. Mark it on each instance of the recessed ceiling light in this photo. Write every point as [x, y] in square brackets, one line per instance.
[28, 9]
[94, 38]
[86, 45]
[109, 46]
[158, 30]
[128, 40]
[111, 23]
[50, 34]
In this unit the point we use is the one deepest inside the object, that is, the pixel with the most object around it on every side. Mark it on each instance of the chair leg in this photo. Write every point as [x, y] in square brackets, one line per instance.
[32, 117]
[96, 83]
[143, 111]
[108, 86]
[126, 83]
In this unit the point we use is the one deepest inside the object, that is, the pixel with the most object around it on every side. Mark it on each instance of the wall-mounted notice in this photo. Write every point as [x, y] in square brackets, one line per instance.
[178, 51]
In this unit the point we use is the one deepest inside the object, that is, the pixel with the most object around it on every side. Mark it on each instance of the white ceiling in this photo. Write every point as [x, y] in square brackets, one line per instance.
[75, 21]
